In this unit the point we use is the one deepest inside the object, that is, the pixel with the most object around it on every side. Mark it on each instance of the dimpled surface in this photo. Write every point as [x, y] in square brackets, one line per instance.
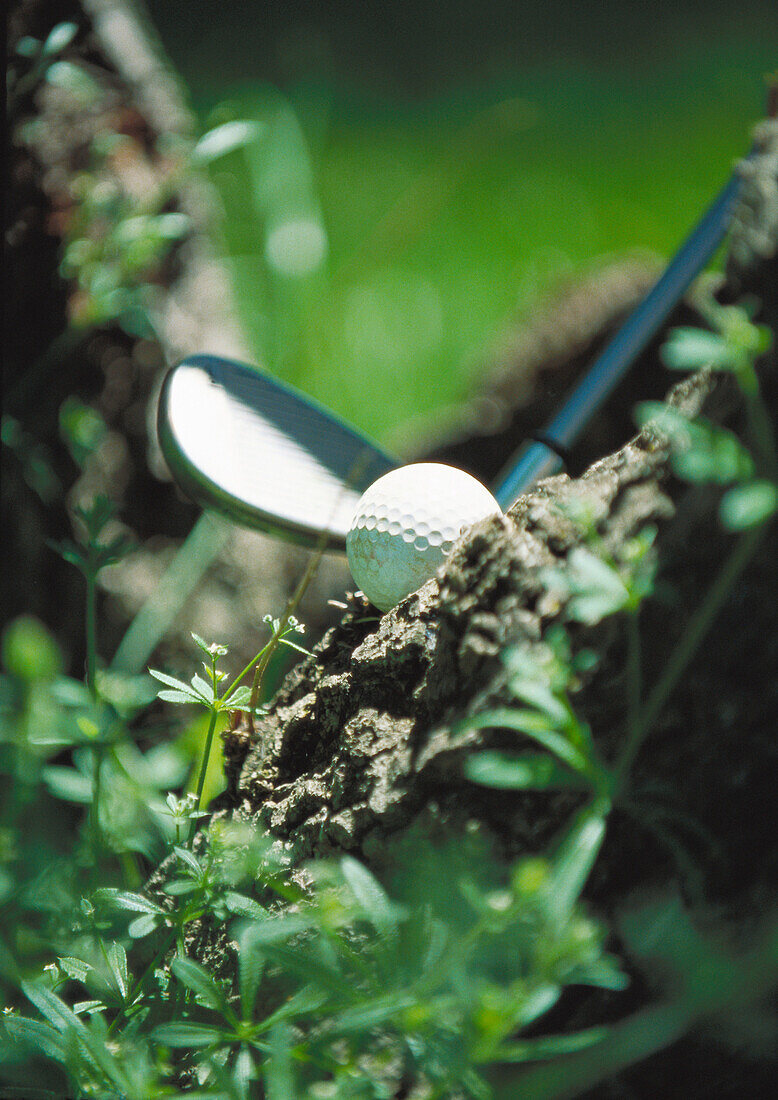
[405, 525]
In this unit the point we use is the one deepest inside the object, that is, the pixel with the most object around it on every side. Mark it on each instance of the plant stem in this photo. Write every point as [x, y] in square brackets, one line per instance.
[256, 684]
[687, 646]
[246, 670]
[132, 996]
[204, 765]
[291, 607]
[634, 672]
[91, 683]
[91, 631]
[97, 759]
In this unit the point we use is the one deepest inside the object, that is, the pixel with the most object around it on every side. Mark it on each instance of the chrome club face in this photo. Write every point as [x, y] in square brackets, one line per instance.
[250, 447]
[242, 443]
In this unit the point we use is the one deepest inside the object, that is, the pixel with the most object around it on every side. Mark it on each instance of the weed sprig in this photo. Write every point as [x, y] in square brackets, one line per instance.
[212, 694]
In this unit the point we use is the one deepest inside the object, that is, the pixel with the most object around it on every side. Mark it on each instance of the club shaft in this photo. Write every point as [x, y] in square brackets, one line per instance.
[538, 459]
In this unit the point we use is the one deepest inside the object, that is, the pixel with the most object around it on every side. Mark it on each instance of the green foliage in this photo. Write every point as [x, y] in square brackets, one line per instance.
[89, 553]
[334, 982]
[73, 79]
[593, 587]
[541, 680]
[324, 983]
[82, 428]
[703, 452]
[29, 651]
[33, 457]
[733, 348]
[714, 990]
[36, 61]
[116, 242]
[206, 693]
[223, 139]
[112, 251]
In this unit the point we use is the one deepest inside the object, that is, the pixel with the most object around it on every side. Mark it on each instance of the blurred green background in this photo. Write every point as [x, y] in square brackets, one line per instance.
[424, 172]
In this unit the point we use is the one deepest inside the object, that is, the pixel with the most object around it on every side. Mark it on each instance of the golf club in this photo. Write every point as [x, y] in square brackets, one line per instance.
[243, 443]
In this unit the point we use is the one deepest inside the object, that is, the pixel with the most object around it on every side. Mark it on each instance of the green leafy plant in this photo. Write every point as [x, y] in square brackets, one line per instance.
[338, 975]
[116, 242]
[336, 985]
[90, 554]
[36, 61]
[540, 681]
[592, 586]
[213, 695]
[704, 452]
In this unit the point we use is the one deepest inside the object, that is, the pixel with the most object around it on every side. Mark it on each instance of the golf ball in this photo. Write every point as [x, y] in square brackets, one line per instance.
[405, 525]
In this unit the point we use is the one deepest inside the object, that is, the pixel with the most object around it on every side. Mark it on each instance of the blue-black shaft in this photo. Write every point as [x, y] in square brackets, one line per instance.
[540, 459]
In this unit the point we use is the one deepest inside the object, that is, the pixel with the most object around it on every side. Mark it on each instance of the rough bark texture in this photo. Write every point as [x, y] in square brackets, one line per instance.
[363, 734]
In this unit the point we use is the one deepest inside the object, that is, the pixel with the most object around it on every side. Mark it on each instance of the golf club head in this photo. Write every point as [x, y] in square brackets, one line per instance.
[239, 441]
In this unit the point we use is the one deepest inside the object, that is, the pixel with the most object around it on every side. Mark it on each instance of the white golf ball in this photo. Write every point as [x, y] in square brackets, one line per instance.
[405, 525]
